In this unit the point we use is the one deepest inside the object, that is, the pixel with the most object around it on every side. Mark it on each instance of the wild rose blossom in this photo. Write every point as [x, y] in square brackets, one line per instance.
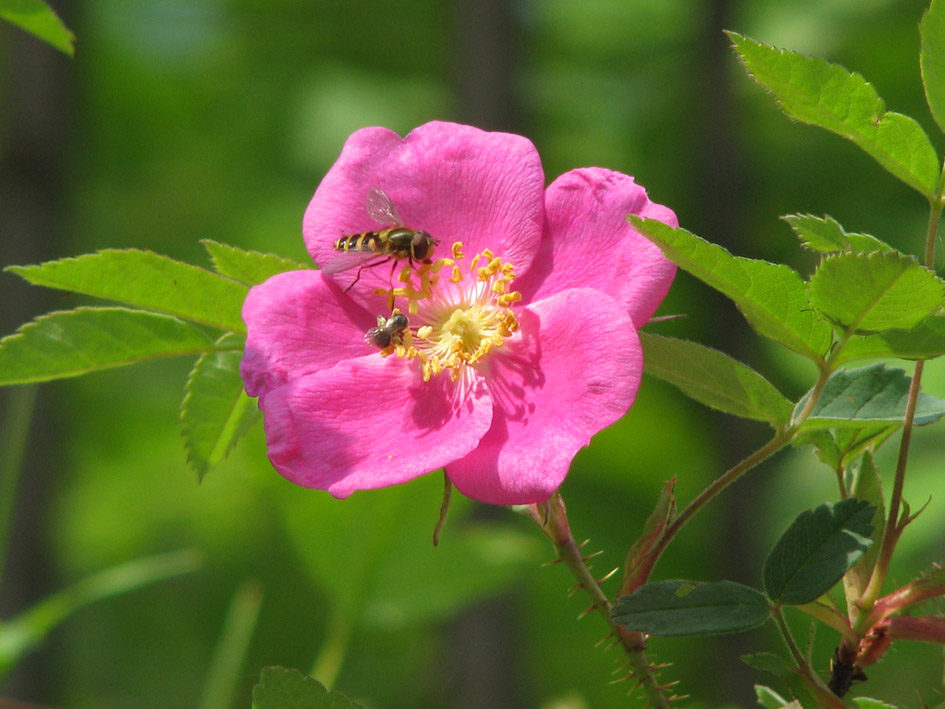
[522, 339]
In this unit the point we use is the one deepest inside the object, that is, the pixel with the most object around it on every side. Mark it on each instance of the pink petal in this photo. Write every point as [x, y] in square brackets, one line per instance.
[369, 423]
[455, 182]
[575, 370]
[299, 322]
[590, 244]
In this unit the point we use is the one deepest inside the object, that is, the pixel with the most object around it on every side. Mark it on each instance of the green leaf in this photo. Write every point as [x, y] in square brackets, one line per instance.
[768, 698]
[672, 608]
[817, 550]
[827, 235]
[249, 267]
[867, 703]
[932, 59]
[873, 394]
[816, 92]
[866, 484]
[714, 379]
[892, 291]
[925, 341]
[769, 662]
[73, 342]
[772, 297]
[147, 280]
[216, 412]
[281, 688]
[232, 644]
[24, 632]
[37, 18]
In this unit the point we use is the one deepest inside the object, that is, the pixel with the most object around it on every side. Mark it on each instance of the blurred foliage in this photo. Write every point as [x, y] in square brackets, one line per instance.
[215, 119]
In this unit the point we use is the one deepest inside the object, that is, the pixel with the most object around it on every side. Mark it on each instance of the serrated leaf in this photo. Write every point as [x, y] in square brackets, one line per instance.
[249, 267]
[673, 608]
[932, 59]
[875, 394]
[772, 297]
[826, 234]
[817, 550]
[714, 379]
[865, 483]
[73, 342]
[769, 662]
[146, 280]
[282, 688]
[216, 412]
[768, 698]
[816, 92]
[875, 292]
[925, 341]
[39, 19]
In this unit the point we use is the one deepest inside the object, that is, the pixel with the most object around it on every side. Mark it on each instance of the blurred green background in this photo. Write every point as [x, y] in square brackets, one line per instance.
[180, 120]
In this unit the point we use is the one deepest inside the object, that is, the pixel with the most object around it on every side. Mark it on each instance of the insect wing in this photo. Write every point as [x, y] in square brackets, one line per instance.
[343, 260]
[381, 209]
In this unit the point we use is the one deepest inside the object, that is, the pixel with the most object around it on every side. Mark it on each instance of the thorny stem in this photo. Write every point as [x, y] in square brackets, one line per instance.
[552, 517]
[894, 525]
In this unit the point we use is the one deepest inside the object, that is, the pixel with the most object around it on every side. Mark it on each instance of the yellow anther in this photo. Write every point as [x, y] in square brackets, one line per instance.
[457, 249]
[457, 276]
[424, 332]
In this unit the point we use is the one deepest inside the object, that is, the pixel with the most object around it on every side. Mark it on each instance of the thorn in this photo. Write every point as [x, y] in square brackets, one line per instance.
[574, 589]
[608, 575]
[582, 544]
[593, 554]
[552, 562]
[586, 612]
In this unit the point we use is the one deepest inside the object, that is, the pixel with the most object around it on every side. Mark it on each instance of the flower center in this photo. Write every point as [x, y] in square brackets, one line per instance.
[459, 311]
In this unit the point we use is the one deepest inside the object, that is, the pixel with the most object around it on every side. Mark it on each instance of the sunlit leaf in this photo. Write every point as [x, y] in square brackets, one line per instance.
[671, 608]
[813, 91]
[282, 688]
[925, 341]
[74, 342]
[714, 379]
[37, 18]
[249, 267]
[891, 291]
[816, 550]
[932, 59]
[146, 280]
[826, 234]
[772, 297]
[768, 698]
[874, 394]
[216, 412]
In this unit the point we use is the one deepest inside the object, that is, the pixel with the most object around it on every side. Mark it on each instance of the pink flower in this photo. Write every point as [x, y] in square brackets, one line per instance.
[522, 337]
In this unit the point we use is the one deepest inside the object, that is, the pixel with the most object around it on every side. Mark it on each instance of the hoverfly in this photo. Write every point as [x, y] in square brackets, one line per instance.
[394, 243]
[388, 331]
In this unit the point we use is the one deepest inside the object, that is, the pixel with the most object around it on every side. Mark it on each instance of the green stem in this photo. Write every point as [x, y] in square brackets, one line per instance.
[14, 434]
[553, 520]
[823, 696]
[894, 525]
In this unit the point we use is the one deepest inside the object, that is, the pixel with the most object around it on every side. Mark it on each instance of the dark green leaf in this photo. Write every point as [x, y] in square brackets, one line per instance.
[37, 18]
[22, 633]
[216, 412]
[873, 394]
[891, 291]
[827, 235]
[865, 483]
[714, 379]
[147, 280]
[817, 550]
[281, 688]
[670, 608]
[932, 59]
[926, 341]
[249, 267]
[772, 297]
[74, 342]
[813, 91]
